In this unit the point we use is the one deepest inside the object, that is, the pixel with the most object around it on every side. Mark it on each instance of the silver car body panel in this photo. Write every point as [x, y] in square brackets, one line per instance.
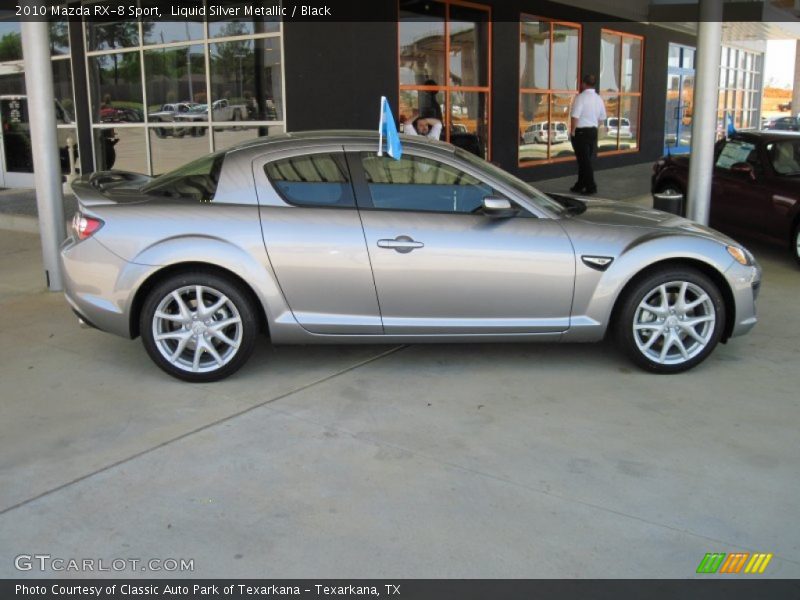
[311, 269]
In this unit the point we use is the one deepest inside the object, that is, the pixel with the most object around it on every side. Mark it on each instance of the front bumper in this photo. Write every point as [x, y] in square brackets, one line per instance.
[745, 284]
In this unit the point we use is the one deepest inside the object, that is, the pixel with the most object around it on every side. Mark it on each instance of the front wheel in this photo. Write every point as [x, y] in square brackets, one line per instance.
[796, 243]
[198, 327]
[671, 320]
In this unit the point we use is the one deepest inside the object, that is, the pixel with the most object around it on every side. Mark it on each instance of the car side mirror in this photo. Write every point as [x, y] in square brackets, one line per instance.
[745, 169]
[498, 208]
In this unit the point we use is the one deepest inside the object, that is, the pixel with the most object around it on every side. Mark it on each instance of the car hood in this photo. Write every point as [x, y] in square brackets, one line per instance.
[624, 214]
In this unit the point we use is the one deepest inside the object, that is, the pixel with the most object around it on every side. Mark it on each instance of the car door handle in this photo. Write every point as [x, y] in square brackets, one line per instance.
[402, 244]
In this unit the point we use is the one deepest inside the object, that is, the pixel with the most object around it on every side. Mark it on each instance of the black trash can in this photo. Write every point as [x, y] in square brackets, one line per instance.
[669, 202]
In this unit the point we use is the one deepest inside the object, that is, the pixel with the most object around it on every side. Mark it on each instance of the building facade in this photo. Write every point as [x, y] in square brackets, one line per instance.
[501, 74]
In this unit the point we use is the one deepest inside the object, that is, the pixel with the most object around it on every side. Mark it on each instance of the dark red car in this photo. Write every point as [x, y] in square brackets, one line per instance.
[756, 186]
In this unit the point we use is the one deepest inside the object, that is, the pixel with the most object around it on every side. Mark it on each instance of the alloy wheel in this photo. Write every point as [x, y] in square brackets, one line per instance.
[674, 322]
[197, 329]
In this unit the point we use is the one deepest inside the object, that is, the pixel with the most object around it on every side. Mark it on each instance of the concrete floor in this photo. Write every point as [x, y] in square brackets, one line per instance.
[418, 461]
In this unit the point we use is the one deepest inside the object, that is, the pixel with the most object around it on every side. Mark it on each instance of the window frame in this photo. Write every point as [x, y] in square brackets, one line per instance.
[446, 88]
[549, 91]
[623, 94]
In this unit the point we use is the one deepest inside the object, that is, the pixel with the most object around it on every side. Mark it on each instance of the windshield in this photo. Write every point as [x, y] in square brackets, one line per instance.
[531, 193]
[196, 180]
[785, 156]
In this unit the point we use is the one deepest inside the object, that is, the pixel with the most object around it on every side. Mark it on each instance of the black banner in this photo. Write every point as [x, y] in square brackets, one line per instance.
[405, 589]
[316, 11]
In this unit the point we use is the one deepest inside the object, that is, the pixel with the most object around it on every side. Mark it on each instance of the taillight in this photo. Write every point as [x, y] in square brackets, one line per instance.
[85, 226]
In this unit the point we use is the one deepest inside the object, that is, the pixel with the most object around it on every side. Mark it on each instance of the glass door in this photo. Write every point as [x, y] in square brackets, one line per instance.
[680, 100]
[16, 162]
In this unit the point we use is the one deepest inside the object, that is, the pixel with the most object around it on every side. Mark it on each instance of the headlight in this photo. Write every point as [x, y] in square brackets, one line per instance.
[740, 255]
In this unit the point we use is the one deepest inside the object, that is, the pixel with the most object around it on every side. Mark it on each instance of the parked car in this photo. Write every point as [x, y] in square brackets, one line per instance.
[439, 246]
[756, 186]
[114, 114]
[167, 114]
[785, 107]
[221, 110]
[783, 123]
[618, 127]
[544, 131]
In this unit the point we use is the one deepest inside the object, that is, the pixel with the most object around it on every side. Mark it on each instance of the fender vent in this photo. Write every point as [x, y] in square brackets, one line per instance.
[599, 263]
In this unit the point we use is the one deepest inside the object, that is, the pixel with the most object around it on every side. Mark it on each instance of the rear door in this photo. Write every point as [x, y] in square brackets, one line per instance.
[441, 267]
[314, 240]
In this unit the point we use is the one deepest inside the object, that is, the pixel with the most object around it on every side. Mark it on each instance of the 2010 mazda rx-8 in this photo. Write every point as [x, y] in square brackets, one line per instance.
[316, 238]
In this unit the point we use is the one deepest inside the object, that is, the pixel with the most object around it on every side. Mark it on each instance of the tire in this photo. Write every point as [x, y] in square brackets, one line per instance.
[795, 248]
[662, 342]
[191, 345]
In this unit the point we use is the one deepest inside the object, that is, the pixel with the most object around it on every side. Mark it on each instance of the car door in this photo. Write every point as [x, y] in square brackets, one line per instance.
[314, 240]
[737, 200]
[782, 159]
[440, 267]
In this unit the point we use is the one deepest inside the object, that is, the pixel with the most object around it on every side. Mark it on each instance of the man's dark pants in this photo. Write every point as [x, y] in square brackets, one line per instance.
[584, 142]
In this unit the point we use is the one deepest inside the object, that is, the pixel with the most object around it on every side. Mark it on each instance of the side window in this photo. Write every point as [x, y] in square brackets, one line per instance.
[736, 151]
[785, 157]
[420, 184]
[312, 180]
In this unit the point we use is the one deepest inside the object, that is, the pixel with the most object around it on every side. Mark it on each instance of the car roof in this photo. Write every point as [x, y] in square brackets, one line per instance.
[335, 136]
[756, 137]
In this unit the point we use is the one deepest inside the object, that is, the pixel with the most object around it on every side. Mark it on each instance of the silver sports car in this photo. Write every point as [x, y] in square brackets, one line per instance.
[314, 238]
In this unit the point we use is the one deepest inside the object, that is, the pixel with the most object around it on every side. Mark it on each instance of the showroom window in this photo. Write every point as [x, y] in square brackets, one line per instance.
[166, 93]
[621, 59]
[444, 59]
[739, 88]
[549, 64]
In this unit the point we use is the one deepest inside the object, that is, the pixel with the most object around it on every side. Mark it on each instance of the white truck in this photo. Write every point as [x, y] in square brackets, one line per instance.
[221, 110]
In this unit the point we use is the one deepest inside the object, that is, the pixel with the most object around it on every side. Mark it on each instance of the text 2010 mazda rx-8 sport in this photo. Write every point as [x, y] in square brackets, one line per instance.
[315, 238]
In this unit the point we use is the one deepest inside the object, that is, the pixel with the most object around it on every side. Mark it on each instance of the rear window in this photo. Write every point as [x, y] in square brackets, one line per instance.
[195, 181]
[312, 180]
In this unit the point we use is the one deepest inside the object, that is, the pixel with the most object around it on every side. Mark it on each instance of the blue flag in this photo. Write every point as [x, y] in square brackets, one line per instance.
[387, 129]
[729, 128]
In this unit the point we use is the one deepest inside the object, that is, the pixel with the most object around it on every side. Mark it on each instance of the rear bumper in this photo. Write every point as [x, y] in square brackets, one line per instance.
[93, 285]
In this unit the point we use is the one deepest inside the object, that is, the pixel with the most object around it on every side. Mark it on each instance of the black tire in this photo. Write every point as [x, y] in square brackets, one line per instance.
[199, 332]
[795, 247]
[709, 315]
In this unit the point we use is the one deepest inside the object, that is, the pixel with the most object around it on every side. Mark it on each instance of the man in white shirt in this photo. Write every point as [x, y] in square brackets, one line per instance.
[588, 113]
[429, 127]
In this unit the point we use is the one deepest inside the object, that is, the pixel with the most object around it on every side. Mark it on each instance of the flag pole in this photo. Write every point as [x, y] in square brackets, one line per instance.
[380, 128]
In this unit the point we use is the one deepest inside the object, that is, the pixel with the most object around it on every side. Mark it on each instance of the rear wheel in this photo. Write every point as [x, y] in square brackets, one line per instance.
[198, 326]
[796, 243]
[671, 320]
